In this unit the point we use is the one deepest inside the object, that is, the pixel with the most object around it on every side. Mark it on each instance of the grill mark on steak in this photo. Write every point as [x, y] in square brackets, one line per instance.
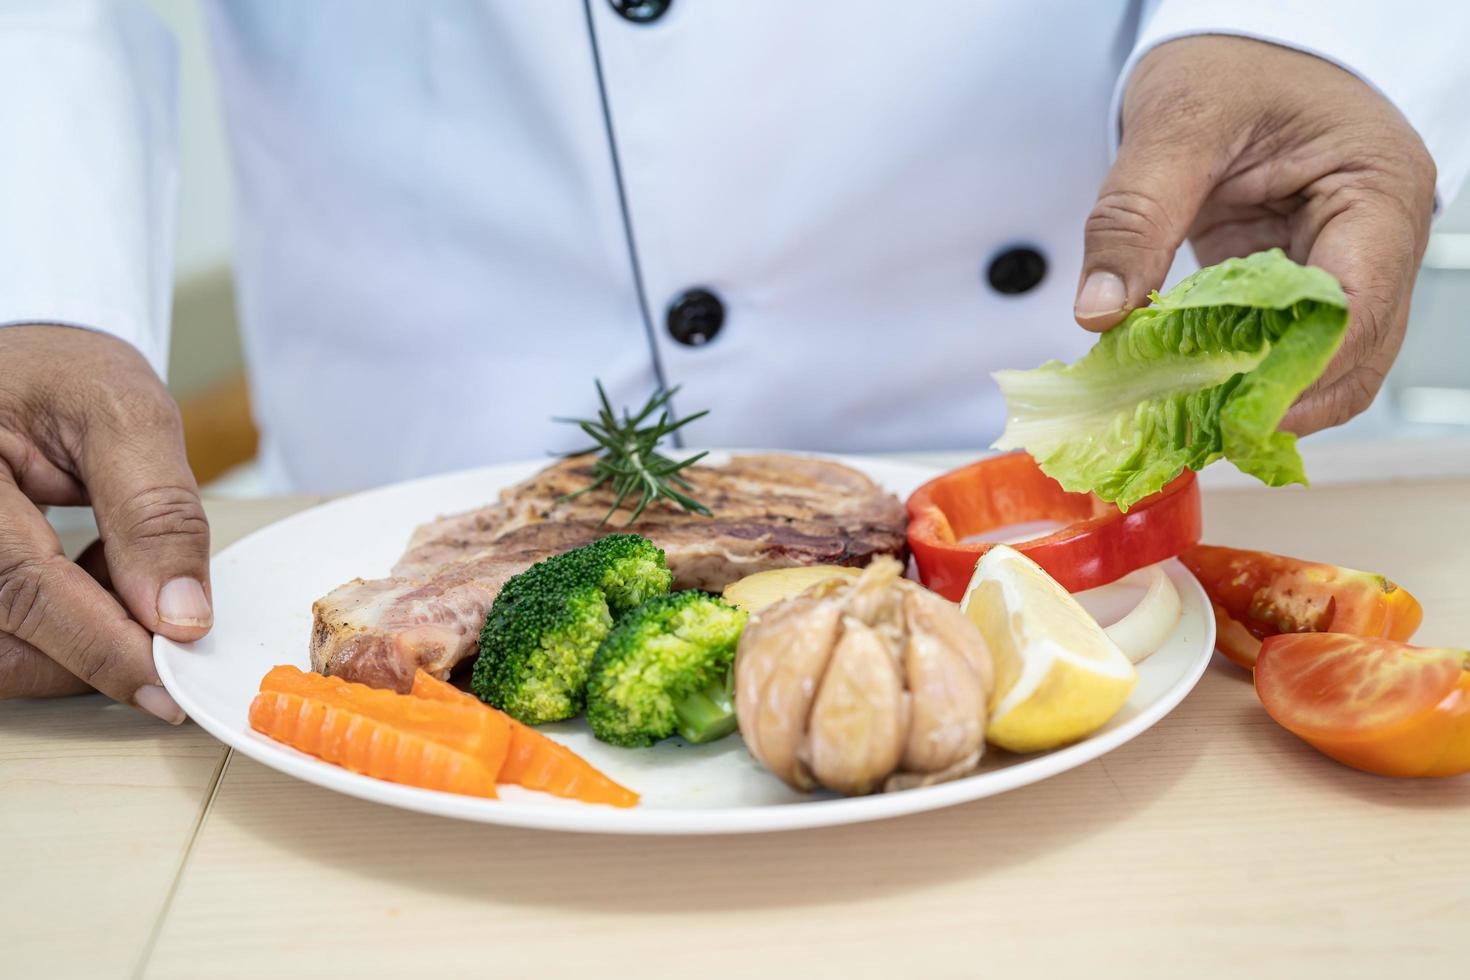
[771, 511]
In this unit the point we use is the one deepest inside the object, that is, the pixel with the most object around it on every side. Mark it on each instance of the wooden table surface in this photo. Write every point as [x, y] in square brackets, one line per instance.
[1214, 844]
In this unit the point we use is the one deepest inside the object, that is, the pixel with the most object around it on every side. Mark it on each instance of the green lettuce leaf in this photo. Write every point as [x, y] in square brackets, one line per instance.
[1207, 371]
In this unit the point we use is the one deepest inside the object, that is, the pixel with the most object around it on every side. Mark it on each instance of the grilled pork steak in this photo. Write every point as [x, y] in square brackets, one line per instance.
[770, 511]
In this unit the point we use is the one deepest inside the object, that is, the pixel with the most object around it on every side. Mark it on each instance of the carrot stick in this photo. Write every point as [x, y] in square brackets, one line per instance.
[540, 763]
[535, 761]
[431, 688]
[367, 745]
[462, 727]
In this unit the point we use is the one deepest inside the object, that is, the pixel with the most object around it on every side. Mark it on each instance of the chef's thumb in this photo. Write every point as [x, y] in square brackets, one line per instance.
[1143, 212]
[154, 532]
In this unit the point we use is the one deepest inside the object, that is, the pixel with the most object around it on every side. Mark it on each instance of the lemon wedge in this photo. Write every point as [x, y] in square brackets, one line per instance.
[1058, 676]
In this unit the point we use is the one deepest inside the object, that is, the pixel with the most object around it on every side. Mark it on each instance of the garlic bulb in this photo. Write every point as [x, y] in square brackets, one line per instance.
[861, 684]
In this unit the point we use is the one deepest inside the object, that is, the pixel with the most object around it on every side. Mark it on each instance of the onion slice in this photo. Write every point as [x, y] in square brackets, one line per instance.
[1148, 624]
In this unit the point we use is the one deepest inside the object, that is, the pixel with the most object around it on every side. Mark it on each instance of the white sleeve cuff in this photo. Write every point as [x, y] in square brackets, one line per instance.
[1413, 52]
[87, 176]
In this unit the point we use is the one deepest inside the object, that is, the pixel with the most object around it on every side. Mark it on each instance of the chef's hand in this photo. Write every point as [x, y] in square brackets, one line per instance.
[84, 419]
[1241, 145]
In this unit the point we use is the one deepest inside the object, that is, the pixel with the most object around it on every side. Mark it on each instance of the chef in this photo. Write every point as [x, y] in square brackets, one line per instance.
[826, 221]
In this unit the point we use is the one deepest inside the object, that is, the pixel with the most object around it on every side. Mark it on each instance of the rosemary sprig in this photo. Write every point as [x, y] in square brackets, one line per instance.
[628, 456]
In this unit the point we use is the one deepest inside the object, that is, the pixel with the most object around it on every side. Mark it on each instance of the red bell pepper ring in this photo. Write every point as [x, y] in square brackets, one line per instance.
[1098, 544]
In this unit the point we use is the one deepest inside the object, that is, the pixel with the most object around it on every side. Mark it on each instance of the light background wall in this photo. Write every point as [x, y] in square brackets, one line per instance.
[206, 345]
[1432, 377]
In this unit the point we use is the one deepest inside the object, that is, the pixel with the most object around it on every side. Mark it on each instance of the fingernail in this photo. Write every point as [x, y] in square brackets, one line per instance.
[1102, 294]
[182, 603]
[159, 703]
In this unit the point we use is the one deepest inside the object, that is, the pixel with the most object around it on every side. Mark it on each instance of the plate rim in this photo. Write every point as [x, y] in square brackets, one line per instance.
[564, 816]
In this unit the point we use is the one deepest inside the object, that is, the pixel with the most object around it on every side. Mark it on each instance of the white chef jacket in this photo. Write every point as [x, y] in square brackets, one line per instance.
[452, 215]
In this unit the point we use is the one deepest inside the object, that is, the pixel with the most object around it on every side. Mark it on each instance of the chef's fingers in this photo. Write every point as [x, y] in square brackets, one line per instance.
[1143, 212]
[1372, 243]
[148, 512]
[1177, 142]
[26, 672]
[52, 605]
[47, 484]
[93, 561]
[1327, 405]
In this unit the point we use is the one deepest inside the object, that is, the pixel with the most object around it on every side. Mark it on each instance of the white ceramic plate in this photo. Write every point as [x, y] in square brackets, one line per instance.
[265, 584]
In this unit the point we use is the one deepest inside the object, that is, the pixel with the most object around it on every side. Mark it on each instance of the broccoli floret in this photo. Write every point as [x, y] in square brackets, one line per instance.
[534, 656]
[666, 668]
[546, 624]
[627, 568]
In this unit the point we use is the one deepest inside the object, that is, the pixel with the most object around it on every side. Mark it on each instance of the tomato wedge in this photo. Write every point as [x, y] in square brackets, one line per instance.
[1098, 544]
[1373, 704]
[1256, 594]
